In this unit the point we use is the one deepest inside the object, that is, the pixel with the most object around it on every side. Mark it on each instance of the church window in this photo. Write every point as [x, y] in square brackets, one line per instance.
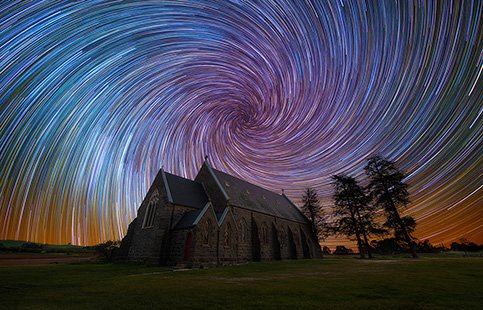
[281, 237]
[243, 231]
[205, 232]
[149, 215]
[264, 233]
[227, 234]
[150, 212]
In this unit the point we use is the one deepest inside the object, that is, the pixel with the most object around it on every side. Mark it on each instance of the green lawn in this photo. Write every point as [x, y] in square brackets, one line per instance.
[341, 283]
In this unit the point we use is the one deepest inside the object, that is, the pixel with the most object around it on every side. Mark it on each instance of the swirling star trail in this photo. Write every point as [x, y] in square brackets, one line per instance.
[96, 96]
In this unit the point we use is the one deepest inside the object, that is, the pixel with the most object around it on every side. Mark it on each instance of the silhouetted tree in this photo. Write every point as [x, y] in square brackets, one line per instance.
[107, 250]
[312, 210]
[326, 250]
[389, 192]
[354, 215]
[465, 246]
[342, 250]
[409, 223]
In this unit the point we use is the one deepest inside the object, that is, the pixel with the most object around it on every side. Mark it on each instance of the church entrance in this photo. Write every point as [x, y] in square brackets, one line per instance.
[188, 247]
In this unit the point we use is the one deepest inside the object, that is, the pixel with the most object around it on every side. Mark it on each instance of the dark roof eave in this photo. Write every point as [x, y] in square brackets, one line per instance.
[269, 214]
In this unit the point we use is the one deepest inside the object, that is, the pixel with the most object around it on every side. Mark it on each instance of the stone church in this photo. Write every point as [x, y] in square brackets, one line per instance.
[217, 219]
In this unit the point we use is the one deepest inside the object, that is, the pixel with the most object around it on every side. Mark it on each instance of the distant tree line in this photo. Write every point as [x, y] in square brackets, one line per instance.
[363, 213]
[465, 246]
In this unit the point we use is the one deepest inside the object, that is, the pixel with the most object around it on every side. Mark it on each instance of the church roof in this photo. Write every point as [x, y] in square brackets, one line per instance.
[185, 192]
[188, 220]
[247, 195]
[191, 218]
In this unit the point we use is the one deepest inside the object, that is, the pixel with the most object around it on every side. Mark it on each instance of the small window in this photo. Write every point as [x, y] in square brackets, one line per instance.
[149, 215]
[228, 234]
[205, 232]
[264, 233]
[243, 230]
[281, 237]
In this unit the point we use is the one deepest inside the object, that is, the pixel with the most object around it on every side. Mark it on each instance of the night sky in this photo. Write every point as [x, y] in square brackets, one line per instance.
[96, 97]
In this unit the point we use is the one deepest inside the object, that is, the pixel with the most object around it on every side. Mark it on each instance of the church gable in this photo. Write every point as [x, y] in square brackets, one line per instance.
[228, 238]
[145, 236]
[206, 230]
[217, 194]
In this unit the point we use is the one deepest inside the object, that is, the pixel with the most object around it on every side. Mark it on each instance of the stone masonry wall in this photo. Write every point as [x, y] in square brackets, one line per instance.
[146, 243]
[205, 239]
[264, 223]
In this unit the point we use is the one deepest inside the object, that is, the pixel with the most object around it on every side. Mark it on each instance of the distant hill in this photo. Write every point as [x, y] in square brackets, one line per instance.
[15, 246]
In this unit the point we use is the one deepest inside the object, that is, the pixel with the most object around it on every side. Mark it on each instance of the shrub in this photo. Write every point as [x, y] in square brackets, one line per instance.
[107, 250]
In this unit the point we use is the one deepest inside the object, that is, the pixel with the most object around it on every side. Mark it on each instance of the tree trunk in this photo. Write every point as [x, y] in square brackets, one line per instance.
[407, 238]
[358, 235]
[364, 234]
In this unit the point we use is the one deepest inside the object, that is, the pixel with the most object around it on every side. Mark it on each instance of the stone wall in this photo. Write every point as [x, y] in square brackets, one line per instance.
[205, 240]
[270, 241]
[147, 242]
[227, 241]
[177, 246]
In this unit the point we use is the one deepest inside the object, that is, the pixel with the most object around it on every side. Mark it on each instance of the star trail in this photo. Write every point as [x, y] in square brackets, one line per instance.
[96, 97]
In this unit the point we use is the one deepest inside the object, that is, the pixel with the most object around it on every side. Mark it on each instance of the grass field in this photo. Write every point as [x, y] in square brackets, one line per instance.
[329, 283]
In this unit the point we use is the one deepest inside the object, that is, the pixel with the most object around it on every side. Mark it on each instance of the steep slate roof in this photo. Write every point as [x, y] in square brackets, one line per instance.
[188, 219]
[244, 194]
[191, 218]
[185, 192]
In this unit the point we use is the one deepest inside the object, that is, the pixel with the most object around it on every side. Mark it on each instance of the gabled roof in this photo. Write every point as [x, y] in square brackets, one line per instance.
[246, 195]
[192, 218]
[188, 220]
[184, 192]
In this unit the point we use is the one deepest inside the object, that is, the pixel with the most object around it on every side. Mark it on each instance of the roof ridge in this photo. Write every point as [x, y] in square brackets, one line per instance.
[178, 176]
[218, 183]
[166, 185]
[263, 188]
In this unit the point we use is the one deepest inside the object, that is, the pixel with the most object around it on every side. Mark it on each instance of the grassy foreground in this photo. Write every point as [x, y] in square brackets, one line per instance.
[340, 283]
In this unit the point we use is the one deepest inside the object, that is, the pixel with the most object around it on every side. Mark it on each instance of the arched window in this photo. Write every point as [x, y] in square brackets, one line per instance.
[282, 236]
[205, 232]
[149, 215]
[264, 233]
[243, 231]
[150, 211]
[227, 235]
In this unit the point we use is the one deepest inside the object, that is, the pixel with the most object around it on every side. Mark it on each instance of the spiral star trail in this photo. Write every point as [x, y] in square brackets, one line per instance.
[96, 97]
